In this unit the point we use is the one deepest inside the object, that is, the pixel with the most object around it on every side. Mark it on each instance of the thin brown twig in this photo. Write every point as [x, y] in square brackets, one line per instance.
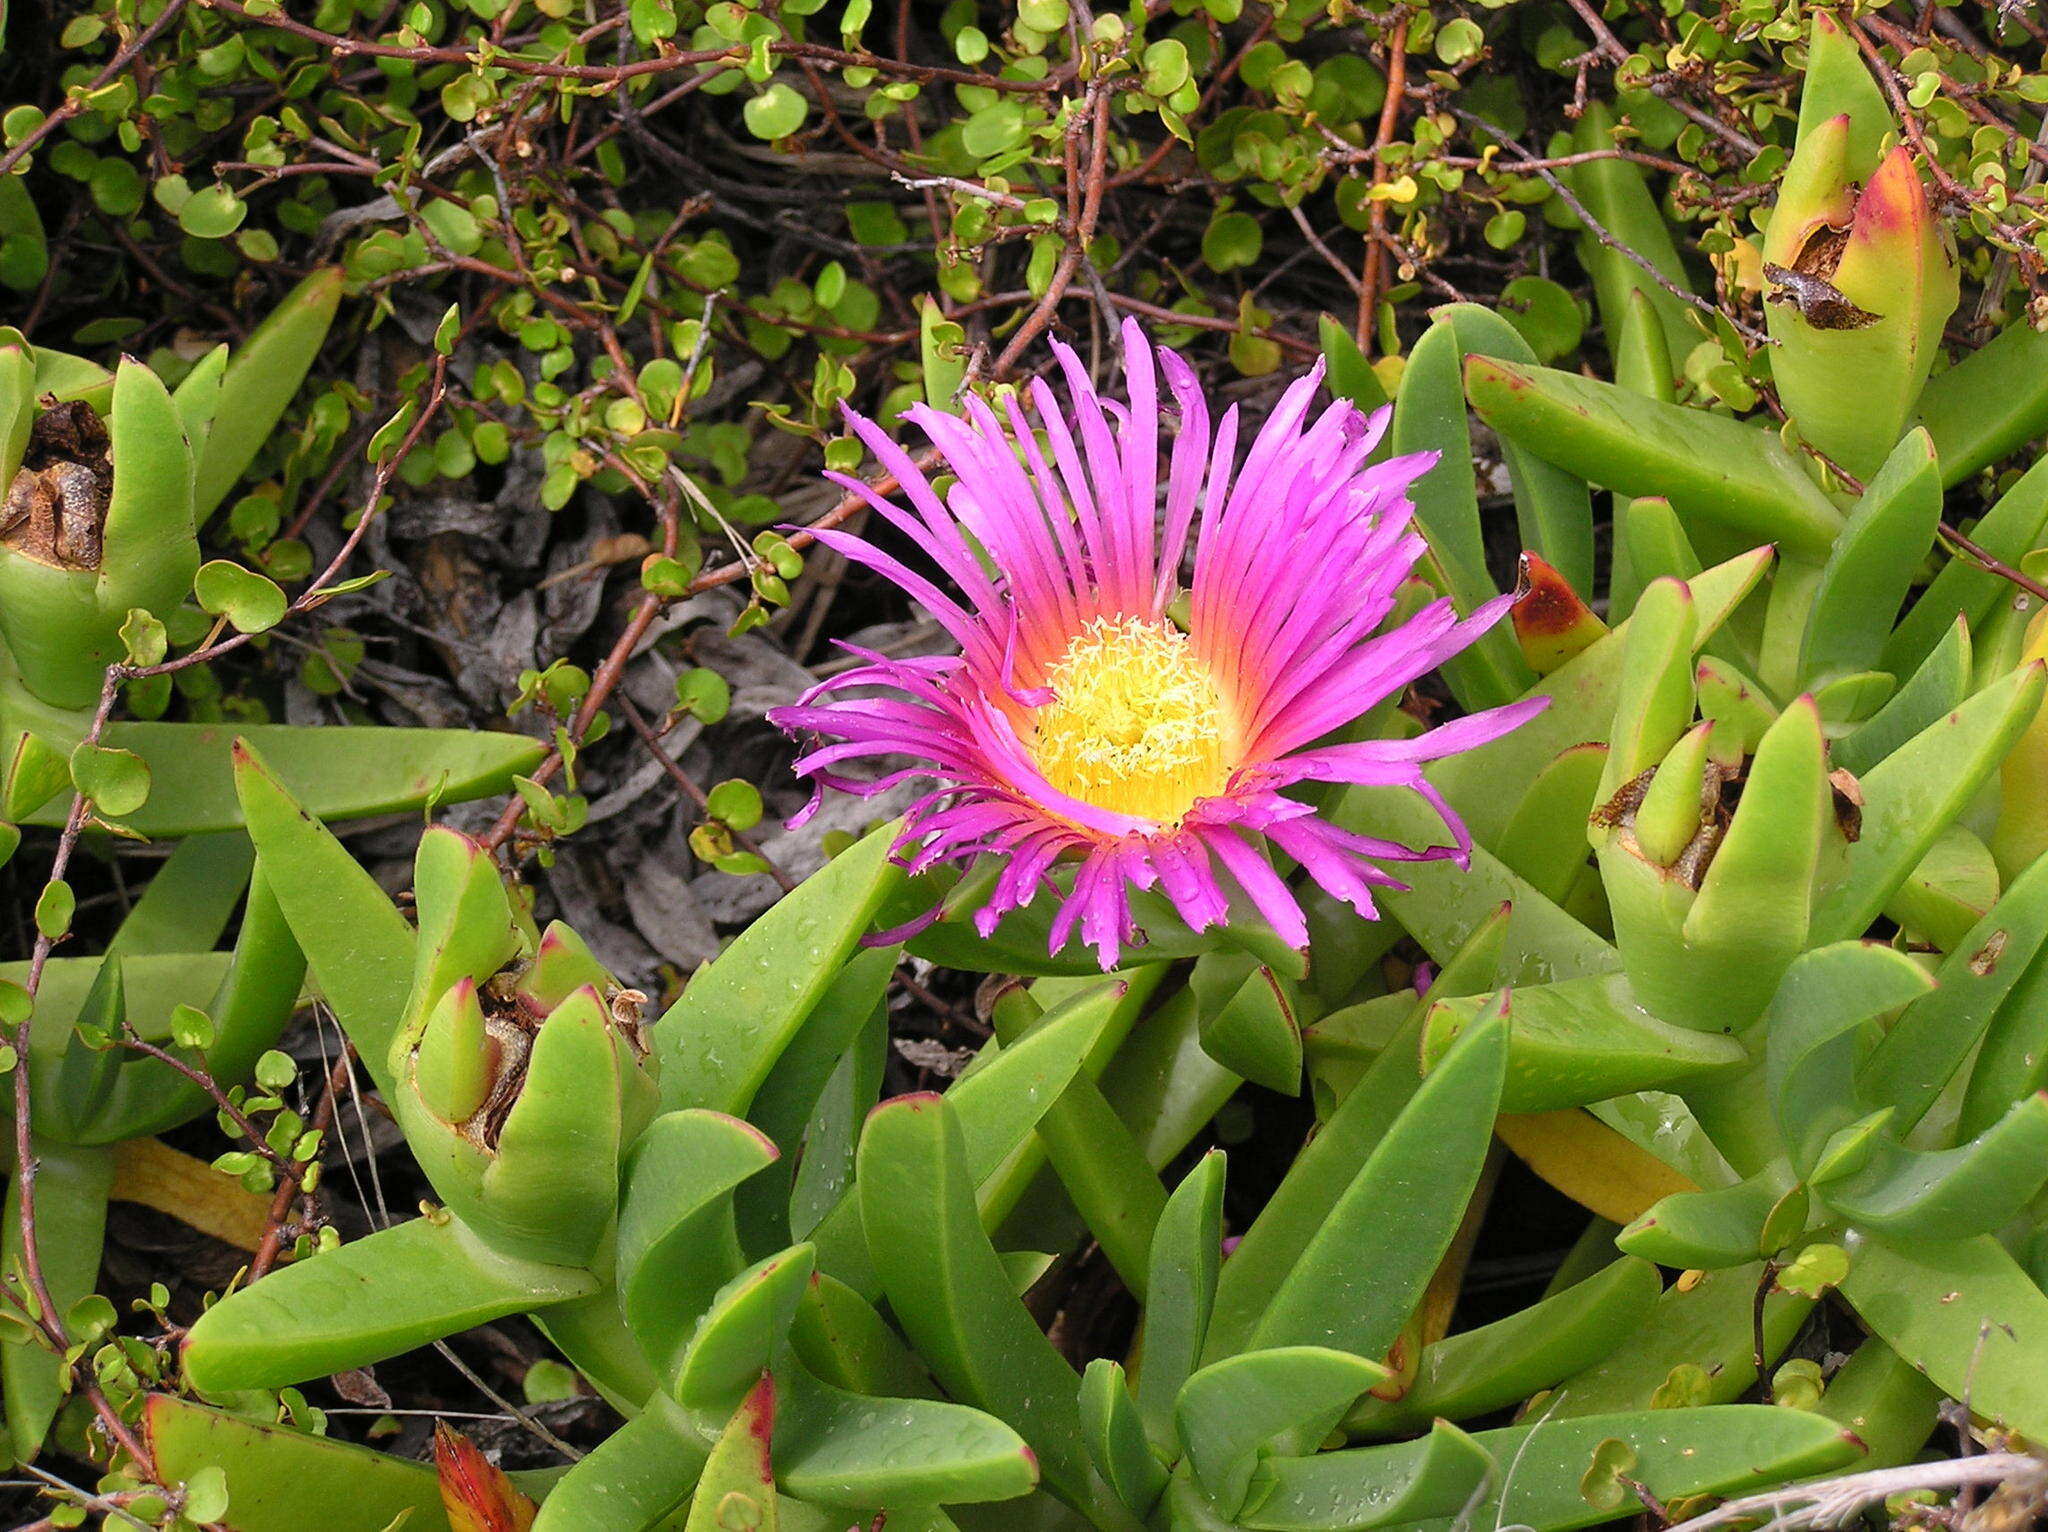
[1369, 283]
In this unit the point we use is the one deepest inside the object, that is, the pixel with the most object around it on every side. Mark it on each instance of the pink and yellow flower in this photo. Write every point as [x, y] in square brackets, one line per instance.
[1079, 722]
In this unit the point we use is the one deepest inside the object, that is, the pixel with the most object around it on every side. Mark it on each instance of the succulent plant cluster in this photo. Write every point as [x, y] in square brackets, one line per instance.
[1747, 958]
[110, 476]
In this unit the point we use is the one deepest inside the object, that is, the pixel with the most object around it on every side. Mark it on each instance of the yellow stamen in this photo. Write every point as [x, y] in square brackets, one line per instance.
[1137, 724]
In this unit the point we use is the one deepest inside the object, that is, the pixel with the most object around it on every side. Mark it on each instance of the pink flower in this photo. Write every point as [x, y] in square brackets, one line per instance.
[1079, 723]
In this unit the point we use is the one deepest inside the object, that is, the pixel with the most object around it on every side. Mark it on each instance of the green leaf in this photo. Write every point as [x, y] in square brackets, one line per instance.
[1481, 1370]
[1617, 193]
[71, 1213]
[1931, 1038]
[1708, 466]
[1187, 1254]
[1247, 1020]
[117, 781]
[2008, 531]
[1704, 1230]
[272, 1473]
[1429, 415]
[677, 1246]
[1991, 403]
[54, 909]
[1231, 1409]
[1949, 1194]
[948, 1287]
[1420, 1481]
[252, 603]
[1827, 995]
[1967, 1315]
[364, 1301]
[777, 112]
[335, 773]
[1915, 793]
[740, 1330]
[1232, 240]
[262, 377]
[212, 212]
[1939, 686]
[1553, 509]
[1678, 1453]
[1545, 313]
[737, 1488]
[1584, 1040]
[717, 1044]
[1115, 1438]
[1364, 1272]
[1873, 564]
[848, 1449]
[359, 947]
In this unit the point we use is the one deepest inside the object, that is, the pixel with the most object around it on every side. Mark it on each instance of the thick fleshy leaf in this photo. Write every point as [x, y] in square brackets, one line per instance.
[1248, 1020]
[262, 376]
[367, 1300]
[742, 1328]
[1364, 1271]
[1697, 1345]
[250, 1008]
[1677, 1453]
[720, 1041]
[1967, 1315]
[1705, 1230]
[1584, 1040]
[1115, 1438]
[476, 1493]
[737, 1487]
[1419, 1480]
[948, 1287]
[359, 948]
[1553, 509]
[996, 1104]
[1488, 1368]
[1917, 791]
[1429, 416]
[1949, 1194]
[848, 1449]
[1709, 467]
[1939, 686]
[1850, 387]
[1552, 622]
[1827, 995]
[1181, 1292]
[1872, 566]
[337, 774]
[642, 1473]
[676, 1242]
[274, 1473]
[1928, 1042]
[1231, 1409]
[1991, 403]
[1617, 193]
[2008, 531]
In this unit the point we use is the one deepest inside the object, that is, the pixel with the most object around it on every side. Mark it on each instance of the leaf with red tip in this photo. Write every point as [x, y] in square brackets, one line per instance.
[474, 1490]
[738, 1486]
[1551, 622]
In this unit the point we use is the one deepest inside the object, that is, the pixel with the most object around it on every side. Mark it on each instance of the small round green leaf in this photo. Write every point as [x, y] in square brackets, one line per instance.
[776, 113]
[117, 781]
[213, 212]
[250, 602]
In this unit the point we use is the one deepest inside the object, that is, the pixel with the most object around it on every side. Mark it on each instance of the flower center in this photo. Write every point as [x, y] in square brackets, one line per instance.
[1136, 725]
